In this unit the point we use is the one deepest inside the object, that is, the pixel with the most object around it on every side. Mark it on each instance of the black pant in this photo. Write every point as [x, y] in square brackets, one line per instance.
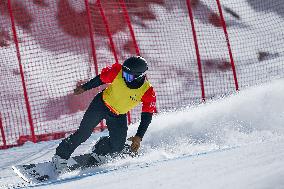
[97, 111]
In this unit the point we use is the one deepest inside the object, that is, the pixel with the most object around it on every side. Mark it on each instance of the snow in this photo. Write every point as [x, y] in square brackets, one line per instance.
[232, 142]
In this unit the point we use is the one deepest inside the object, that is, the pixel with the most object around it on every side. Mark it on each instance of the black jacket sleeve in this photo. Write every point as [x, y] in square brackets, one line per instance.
[93, 83]
[146, 119]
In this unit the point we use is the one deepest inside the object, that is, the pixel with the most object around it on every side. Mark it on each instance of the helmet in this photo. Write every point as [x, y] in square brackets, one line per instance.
[135, 65]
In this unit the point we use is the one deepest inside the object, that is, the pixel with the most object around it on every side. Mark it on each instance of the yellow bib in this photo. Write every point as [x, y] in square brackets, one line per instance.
[120, 98]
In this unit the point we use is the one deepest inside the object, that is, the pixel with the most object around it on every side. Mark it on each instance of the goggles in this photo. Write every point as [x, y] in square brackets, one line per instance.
[130, 77]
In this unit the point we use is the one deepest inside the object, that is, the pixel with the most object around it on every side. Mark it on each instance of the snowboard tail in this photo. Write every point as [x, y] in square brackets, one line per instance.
[44, 172]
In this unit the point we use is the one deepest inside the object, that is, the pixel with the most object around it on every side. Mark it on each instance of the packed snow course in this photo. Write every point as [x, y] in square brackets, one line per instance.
[231, 142]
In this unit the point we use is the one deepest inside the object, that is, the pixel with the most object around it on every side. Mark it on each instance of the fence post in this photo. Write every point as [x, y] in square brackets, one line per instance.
[196, 50]
[108, 30]
[3, 133]
[128, 21]
[228, 43]
[91, 33]
[15, 37]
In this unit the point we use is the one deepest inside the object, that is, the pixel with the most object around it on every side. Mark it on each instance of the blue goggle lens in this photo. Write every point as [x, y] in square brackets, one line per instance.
[128, 77]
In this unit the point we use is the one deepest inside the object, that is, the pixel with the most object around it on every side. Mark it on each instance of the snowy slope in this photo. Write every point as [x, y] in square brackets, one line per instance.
[239, 139]
[252, 166]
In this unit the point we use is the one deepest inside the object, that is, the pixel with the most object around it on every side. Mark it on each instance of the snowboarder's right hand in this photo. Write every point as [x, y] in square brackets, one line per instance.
[78, 90]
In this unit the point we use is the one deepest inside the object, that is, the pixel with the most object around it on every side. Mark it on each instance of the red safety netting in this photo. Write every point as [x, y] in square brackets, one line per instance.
[196, 50]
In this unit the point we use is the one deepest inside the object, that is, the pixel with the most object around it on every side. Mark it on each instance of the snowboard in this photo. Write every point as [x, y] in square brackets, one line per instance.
[44, 172]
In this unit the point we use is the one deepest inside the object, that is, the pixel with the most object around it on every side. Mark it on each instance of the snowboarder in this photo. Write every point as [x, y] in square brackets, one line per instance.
[128, 88]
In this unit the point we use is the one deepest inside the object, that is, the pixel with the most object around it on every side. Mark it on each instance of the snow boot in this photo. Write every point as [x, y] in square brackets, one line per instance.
[60, 164]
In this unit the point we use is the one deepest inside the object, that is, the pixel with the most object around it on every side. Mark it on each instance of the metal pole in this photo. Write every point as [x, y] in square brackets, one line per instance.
[127, 19]
[21, 71]
[228, 44]
[196, 50]
[3, 133]
[108, 30]
[91, 32]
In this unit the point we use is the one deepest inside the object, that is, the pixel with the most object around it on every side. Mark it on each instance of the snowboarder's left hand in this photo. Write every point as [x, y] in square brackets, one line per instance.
[78, 90]
[135, 143]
